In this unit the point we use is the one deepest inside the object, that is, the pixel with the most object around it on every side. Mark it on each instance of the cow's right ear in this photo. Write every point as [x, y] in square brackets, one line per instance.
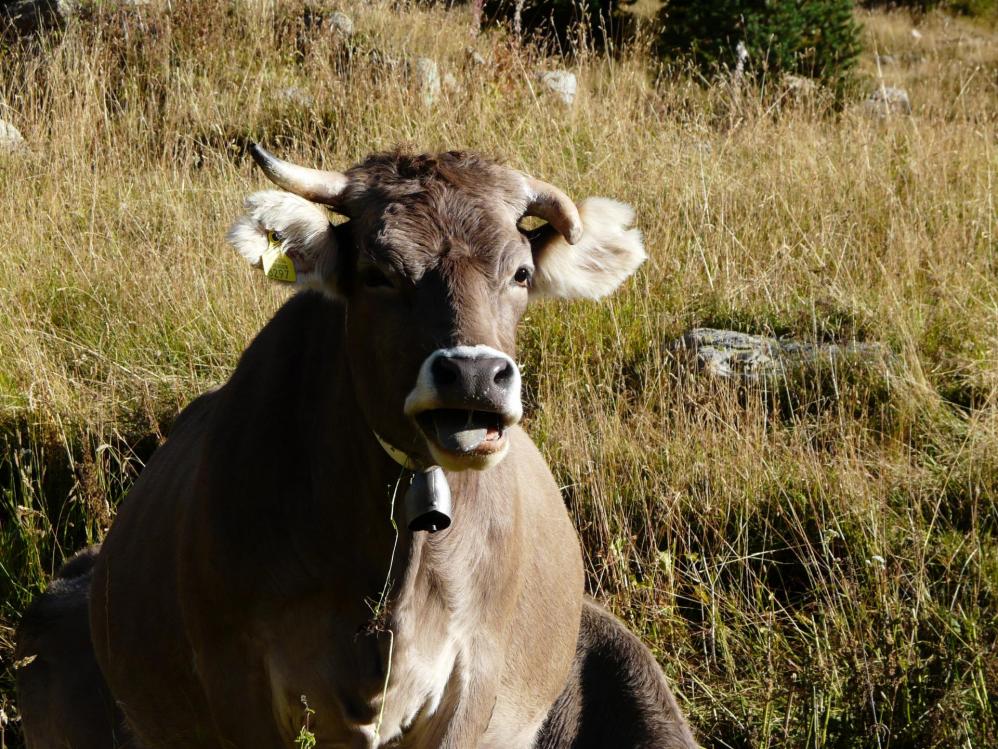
[288, 237]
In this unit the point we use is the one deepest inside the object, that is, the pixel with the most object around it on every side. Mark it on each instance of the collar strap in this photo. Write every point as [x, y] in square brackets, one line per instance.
[397, 455]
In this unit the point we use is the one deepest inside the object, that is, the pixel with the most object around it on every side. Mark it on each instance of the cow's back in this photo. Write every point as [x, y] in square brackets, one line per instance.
[616, 694]
[155, 671]
[61, 694]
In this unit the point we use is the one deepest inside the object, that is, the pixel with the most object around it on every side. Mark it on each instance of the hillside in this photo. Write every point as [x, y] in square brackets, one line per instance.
[812, 556]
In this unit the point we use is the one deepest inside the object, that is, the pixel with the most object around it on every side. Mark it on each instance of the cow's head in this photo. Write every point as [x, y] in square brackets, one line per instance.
[435, 272]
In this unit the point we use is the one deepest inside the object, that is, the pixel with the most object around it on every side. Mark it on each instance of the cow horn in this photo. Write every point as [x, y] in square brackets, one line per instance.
[312, 184]
[549, 203]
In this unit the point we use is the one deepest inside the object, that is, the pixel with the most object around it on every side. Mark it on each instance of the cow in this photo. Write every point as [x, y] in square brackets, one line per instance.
[265, 581]
[61, 695]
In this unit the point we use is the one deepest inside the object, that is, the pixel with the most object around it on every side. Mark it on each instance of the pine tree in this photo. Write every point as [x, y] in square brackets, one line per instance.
[819, 38]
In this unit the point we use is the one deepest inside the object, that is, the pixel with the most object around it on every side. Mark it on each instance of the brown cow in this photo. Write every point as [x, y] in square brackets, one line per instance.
[255, 567]
[61, 695]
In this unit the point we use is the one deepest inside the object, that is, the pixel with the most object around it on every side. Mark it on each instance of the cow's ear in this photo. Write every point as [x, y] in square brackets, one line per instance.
[609, 251]
[287, 237]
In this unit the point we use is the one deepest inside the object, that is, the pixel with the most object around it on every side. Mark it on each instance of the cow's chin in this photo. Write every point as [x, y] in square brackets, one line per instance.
[474, 461]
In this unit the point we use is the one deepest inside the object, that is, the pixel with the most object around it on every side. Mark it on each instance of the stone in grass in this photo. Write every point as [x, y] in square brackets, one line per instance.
[799, 86]
[730, 354]
[562, 84]
[888, 100]
[427, 79]
[296, 97]
[341, 23]
[11, 139]
[451, 84]
[474, 57]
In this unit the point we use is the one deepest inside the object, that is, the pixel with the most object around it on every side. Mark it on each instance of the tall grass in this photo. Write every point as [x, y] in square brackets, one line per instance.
[814, 565]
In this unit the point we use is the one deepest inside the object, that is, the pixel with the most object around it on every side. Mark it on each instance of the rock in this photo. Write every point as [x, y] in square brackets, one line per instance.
[474, 57]
[888, 100]
[885, 60]
[341, 23]
[562, 84]
[450, 83]
[799, 86]
[741, 51]
[755, 358]
[11, 139]
[296, 96]
[916, 34]
[427, 79]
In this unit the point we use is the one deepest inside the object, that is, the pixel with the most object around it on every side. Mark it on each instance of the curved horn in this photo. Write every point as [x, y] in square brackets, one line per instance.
[312, 184]
[549, 203]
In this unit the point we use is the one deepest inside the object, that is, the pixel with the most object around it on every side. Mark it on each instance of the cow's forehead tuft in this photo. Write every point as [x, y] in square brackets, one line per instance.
[394, 175]
[429, 205]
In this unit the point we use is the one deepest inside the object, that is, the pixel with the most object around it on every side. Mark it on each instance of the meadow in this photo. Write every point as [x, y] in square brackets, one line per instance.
[814, 561]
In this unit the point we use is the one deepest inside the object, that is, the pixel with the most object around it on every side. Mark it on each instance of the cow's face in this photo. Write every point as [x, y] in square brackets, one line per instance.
[435, 274]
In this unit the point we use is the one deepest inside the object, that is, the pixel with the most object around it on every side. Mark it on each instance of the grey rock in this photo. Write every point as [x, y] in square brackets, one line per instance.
[741, 51]
[295, 96]
[888, 100]
[341, 23]
[474, 57]
[562, 84]
[427, 79]
[799, 86]
[450, 83]
[730, 354]
[11, 139]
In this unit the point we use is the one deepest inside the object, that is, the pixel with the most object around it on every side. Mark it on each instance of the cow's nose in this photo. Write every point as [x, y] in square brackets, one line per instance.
[468, 378]
[477, 378]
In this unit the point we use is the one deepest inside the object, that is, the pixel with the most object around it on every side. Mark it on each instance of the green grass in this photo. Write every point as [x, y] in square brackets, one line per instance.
[814, 567]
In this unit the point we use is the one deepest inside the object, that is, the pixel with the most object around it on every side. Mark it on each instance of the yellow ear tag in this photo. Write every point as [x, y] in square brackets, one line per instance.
[276, 265]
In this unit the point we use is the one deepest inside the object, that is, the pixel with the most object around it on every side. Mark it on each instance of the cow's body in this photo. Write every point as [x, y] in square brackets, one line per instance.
[62, 697]
[253, 586]
[616, 694]
[247, 584]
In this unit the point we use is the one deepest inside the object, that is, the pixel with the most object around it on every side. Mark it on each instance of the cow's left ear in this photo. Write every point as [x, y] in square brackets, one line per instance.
[609, 251]
[288, 237]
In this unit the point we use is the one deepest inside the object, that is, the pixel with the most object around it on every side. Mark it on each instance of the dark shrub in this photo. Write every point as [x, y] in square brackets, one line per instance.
[987, 9]
[819, 38]
[599, 21]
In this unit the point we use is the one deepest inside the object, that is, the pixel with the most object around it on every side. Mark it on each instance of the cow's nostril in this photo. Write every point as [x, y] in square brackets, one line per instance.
[445, 371]
[504, 373]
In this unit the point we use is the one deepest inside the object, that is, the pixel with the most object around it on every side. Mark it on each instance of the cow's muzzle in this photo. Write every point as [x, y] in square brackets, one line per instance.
[464, 400]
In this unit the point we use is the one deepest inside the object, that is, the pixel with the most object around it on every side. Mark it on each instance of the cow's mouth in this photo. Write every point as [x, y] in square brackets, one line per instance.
[464, 432]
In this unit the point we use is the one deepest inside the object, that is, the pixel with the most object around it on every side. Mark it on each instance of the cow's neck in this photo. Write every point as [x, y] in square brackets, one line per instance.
[311, 511]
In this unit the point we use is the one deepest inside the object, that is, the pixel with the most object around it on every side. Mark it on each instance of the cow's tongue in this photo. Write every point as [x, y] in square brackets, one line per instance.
[457, 431]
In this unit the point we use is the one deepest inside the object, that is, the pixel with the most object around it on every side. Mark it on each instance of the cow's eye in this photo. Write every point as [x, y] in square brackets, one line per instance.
[275, 237]
[522, 275]
[372, 277]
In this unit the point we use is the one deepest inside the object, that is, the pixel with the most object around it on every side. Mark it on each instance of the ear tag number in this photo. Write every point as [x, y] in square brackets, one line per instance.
[276, 265]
